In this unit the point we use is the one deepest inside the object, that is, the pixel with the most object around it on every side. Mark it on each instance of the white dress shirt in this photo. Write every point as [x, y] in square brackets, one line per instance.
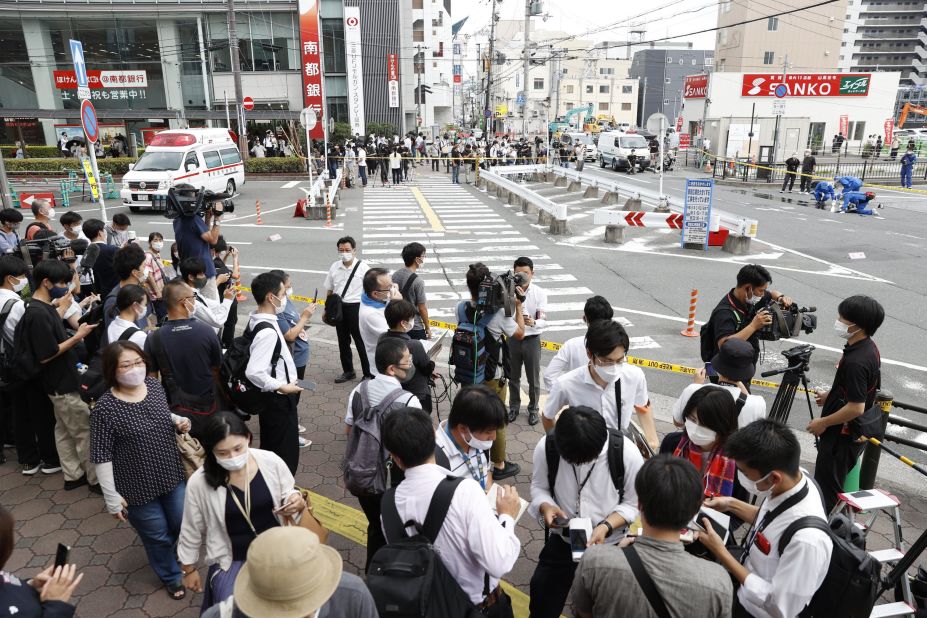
[211, 312]
[472, 542]
[577, 388]
[500, 325]
[119, 326]
[473, 464]
[372, 322]
[262, 351]
[16, 312]
[771, 592]
[361, 157]
[598, 497]
[535, 301]
[754, 408]
[378, 388]
[570, 356]
[338, 275]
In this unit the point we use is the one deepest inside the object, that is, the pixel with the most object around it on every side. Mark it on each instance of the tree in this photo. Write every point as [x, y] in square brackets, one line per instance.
[381, 128]
[341, 133]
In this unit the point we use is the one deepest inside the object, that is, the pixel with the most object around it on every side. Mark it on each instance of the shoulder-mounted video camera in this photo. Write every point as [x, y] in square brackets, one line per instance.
[788, 322]
[498, 292]
[186, 201]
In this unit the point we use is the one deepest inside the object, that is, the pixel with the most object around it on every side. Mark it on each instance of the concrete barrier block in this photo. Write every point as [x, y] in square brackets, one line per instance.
[561, 181]
[609, 198]
[614, 234]
[633, 204]
[544, 217]
[591, 192]
[560, 227]
[574, 185]
[481, 183]
[737, 245]
[528, 208]
[514, 199]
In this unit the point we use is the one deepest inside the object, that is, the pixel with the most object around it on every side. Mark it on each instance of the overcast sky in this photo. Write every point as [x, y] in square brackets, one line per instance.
[661, 18]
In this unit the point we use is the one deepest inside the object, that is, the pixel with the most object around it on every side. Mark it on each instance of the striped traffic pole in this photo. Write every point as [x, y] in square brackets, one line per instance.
[690, 326]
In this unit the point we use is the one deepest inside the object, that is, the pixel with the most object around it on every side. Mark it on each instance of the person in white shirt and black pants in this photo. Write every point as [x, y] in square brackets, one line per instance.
[274, 375]
[584, 487]
[772, 584]
[344, 278]
[527, 351]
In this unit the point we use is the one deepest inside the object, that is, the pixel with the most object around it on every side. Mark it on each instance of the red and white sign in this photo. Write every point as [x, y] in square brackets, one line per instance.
[651, 219]
[679, 124]
[313, 95]
[807, 84]
[889, 130]
[844, 126]
[89, 121]
[26, 199]
[392, 73]
[67, 80]
[695, 87]
[247, 104]
[685, 140]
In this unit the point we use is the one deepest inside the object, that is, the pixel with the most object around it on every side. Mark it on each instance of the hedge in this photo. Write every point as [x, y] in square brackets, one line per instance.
[116, 167]
[275, 165]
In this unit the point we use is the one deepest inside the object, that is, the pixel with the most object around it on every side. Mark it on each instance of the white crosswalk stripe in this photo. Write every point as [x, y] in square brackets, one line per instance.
[473, 231]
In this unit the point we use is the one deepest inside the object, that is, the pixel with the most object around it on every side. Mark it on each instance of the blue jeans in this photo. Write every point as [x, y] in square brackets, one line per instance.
[455, 174]
[158, 525]
[906, 174]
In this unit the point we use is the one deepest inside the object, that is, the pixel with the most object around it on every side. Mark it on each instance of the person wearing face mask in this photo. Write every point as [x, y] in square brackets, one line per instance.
[133, 448]
[229, 277]
[598, 384]
[271, 369]
[44, 215]
[399, 316]
[469, 431]
[132, 304]
[71, 223]
[160, 274]
[129, 265]
[210, 312]
[742, 313]
[103, 270]
[237, 494]
[526, 352]
[117, 233]
[572, 354]
[345, 278]
[767, 455]
[385, 392]
[48, 363]
[379, 290]
[412, 287]
[187, 354]
[856, 382]
[10, 222]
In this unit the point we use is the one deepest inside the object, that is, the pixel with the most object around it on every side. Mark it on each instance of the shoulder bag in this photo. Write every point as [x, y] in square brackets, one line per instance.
[333, 315]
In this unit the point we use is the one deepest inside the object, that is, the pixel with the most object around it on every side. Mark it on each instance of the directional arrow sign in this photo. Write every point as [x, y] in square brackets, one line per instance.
[635, 219]
[674, 221]
[80, 67]
[29, 198]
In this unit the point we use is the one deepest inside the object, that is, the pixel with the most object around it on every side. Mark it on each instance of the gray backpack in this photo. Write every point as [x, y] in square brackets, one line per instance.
[365, 457]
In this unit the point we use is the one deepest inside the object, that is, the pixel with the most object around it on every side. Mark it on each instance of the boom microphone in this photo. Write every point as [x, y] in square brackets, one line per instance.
[90, 258]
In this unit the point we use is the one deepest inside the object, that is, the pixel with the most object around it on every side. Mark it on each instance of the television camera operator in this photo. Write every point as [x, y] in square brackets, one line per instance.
[196, 214]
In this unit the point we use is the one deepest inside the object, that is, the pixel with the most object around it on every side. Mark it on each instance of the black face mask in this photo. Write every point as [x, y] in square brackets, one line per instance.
[410, 373]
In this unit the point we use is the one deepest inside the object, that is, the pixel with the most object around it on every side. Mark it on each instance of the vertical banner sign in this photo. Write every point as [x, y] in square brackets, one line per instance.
[457, 73]
[312, 62]
[697, 212]
[889, 131]
[91, 178]
[845, 126]
[392, 74]
[679, 124]
[355, 68]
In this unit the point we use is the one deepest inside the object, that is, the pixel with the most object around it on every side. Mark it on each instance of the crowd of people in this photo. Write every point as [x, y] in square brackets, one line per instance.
[157, 333]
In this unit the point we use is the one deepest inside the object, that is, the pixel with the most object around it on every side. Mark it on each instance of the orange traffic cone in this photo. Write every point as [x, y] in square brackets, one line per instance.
[328, 212]
[257, 207]
[300, 208]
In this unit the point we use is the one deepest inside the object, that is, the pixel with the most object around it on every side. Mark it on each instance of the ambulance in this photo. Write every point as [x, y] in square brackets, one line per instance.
[200, 157]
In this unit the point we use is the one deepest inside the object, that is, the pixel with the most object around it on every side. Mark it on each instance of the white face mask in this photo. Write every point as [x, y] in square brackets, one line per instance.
[51, 213]
[700, 436]
[280, 309]
[843, 330]
[609, 373]
[407, 326]
[192, 309]
[477, 444]
[20, 284]
[133, 377]
[751, 485]
[752, 300]
[142, 312]
[157, 245]
[346, 256]
[234, 463]
[289, 292]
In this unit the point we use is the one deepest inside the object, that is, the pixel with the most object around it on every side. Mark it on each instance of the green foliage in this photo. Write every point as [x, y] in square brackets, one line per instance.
[341, 133]
[39, 152]
[275, 165]
[381, 128]
[116, 167]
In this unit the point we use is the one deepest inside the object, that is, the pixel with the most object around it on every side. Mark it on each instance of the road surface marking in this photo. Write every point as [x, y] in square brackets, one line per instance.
[430, 214]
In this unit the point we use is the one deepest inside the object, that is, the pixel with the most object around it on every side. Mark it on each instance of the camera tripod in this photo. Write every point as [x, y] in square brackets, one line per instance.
[792, 376]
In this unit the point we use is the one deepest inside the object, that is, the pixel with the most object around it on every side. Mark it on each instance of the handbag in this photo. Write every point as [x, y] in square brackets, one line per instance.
[191, 451]
[333, 315]
[307, 519]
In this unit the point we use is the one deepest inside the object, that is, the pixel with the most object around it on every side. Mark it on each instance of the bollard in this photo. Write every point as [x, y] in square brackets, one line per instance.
[870, 459]
[328, 212]
[690, 325]
[257, 207]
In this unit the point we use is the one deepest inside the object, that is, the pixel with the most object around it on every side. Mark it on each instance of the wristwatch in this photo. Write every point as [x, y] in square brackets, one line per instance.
[191, 571]
[610, 528]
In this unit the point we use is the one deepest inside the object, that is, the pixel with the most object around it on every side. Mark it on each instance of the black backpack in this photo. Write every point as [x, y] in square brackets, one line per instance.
[92, 385]
[851, 586]
[707, 339]
[407, 577]
[8, 377]
[615, 456]
[243, 394]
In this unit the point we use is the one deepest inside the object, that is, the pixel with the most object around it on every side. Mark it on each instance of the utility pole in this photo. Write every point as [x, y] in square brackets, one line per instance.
[526, 58]
[418, 88]
[236, 76]
[492, 48]
[785, 68]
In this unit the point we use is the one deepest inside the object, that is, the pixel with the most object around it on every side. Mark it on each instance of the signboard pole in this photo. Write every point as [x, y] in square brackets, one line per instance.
[4, 184]
[661, 138]
[697, 213]
[92, 151]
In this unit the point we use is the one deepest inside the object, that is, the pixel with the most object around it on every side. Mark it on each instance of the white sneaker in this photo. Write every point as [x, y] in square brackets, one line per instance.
[304, 443]
[301, 429]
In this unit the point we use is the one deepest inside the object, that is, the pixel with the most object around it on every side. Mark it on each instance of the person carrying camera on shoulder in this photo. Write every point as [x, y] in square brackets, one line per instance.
[195, 234]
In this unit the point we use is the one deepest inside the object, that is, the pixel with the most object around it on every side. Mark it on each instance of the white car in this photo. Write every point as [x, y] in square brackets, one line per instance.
[572, 137]
[200, 157]
[615, 146]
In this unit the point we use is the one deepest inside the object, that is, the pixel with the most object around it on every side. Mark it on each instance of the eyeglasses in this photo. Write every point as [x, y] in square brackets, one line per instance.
[132, 364]
[607, 362]
[405, 368]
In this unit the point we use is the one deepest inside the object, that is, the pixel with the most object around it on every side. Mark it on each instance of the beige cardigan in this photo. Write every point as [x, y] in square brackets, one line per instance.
[204, 511]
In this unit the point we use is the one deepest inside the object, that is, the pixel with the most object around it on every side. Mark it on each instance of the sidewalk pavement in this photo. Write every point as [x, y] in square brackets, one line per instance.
[119, 582]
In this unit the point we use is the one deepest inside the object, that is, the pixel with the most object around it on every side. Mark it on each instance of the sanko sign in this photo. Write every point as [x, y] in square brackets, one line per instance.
[806, 85]
[695, 87]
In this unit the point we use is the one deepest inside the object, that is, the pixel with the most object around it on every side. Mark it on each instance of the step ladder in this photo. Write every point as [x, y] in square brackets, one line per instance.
[874, 502]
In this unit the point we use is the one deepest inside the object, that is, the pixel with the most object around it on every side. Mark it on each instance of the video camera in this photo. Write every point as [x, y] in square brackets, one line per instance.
[788, 322]
[186, 201]
[48, 245]
[498, 292]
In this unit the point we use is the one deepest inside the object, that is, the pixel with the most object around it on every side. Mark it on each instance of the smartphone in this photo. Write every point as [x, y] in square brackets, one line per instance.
[61, 556]
[309, 385]
[580, 532]
[560, 522]
[315, 296]
[710, 371]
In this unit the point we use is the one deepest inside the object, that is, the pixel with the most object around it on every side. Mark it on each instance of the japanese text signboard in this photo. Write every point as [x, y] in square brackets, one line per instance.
[697, 212]
[392, 73]
[807, 84]
[311, 50]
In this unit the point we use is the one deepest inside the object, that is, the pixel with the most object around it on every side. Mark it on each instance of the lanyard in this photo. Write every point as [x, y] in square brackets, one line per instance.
[479, 472]
[246, 511]
[579, 491]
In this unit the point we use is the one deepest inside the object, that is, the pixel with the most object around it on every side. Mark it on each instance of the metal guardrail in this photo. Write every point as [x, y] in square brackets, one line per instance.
[557, 211]
[336, 184]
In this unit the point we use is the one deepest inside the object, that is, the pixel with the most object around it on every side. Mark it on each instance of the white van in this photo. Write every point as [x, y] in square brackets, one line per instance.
[615, 146]
[201, 157]
[572, 137]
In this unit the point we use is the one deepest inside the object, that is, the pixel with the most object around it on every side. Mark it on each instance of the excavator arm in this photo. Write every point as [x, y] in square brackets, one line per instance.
[908, 108]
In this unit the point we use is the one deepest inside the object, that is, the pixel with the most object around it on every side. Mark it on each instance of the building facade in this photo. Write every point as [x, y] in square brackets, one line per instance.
[810, 39]
[887, 35]
[426, 61]
[660, 74]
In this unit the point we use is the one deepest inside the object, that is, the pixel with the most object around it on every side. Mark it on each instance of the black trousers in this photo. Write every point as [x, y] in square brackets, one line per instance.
[34, 424]
[375, 538]
[280, 428]
[788, 180]
[349, 329]
[552, 579]
[837, 455]
[805, 185]
[435, 164]
[397, 176]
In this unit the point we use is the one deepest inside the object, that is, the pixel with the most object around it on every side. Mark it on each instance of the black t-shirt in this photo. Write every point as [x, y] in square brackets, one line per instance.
[222, 269]
[731, 316]
[857, 379]
[193, 350]
[43, 331]
[104, 277]
[418, 385]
